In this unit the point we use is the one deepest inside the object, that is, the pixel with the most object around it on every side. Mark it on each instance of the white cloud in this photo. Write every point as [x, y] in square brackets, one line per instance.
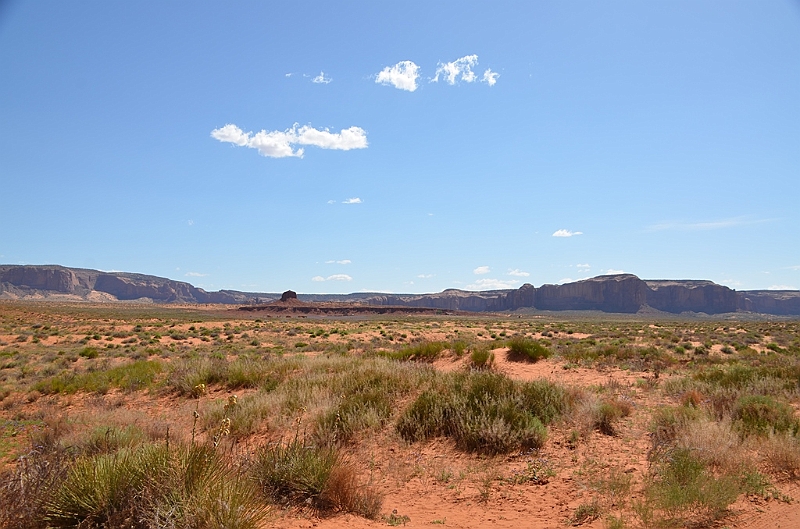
[490, 77]
[354, 200]
[331, 202]
[481, 270]
[279, 144]
[794, 267]
[570, 280]
[492, 284]
[402, 75]
[566, 233]
[518, 273]
[321, 79]
[425, 276]
[451, 70]
[782, 287]
[190, 222]
[288, 74]
[342, 262]
[195, 274]
[710, 225]
[583, 265]
[613, 272]
[334, 277]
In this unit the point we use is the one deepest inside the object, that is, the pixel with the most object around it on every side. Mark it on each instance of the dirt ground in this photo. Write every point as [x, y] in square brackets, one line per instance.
[423, 484]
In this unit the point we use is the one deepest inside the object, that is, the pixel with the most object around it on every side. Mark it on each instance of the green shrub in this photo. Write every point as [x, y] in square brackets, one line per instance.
[129, 377]
[88, 352]
[483, 412]
[481, 358]
[146, 486]
[526, 349]
[684, 490]
[459, 347]
[424, 352]
[300, 474]
[762, 415]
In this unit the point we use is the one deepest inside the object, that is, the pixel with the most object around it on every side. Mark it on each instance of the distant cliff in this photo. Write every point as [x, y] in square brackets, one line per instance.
[622, 293]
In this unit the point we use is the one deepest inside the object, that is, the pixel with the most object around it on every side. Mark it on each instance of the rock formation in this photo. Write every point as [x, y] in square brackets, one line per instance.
[624, 293]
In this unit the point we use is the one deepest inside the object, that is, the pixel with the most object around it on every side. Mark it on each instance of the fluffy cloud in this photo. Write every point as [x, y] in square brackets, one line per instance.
[782, 287]
[279, 144]
[518, 273]
[321, 79]
[492, 284]
[354, 200]
[195, 274]
[583, 265]
[334, 277]
[613, 272]
[342, 262]
[566, 233]
[490, 77]
[402, 75]
[425, 276]
[450, 71]
[481, 270]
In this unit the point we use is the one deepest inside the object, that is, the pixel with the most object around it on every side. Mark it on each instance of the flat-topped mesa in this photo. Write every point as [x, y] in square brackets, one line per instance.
[610, 293]
[691, 296]
[624, 293]
[54, 278]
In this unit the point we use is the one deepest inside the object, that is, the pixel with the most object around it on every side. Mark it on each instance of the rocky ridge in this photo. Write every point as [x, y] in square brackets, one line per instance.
[620, 293]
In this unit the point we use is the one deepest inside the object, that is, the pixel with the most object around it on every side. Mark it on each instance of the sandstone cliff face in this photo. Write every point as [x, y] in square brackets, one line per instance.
[53, 278]
[691, 296]
[778, 302]
[613, 293]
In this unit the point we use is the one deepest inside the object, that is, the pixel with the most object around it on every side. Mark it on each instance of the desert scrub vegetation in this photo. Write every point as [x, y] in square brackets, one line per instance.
[132, 376]
[305, 474]
[366, 394]
[525, 349]
[150, 485]
[423, 352]
[483, 412]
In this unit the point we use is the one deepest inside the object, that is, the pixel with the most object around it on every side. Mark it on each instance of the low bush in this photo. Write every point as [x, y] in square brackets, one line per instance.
[483, 412]
[525, 349]
[683, 490]
[148, 486]
[782, 455]
[481, 358]
[762, 415]
[424, 352]
[129, 377]
[296, 473]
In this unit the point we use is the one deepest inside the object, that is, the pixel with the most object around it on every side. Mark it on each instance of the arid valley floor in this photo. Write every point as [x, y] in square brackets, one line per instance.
[505, 420]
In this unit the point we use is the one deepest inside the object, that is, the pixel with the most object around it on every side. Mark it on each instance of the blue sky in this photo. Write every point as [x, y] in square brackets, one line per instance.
[406, 147]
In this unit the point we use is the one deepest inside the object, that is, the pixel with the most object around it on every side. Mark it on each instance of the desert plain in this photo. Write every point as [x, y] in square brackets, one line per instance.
[144, 415]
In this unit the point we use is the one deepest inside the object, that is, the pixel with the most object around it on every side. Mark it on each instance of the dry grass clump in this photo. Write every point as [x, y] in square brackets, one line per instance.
[781, 452]
[682, 490]
[591, 412]
[422, 352]
[715, 443]
[301, 474]
[484, 412]
[144, 487]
